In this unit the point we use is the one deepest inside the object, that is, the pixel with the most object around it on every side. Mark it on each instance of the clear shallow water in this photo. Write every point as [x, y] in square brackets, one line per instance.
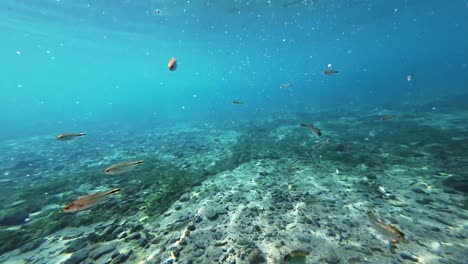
[100, 67]
[112, 57]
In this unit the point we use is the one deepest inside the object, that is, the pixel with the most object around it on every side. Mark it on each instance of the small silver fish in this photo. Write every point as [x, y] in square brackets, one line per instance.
[409, 78]
[330, 71]
[387, 117]
[69, 136]
[387, 230]
[122, 167]
[314, 129]
[87, 201]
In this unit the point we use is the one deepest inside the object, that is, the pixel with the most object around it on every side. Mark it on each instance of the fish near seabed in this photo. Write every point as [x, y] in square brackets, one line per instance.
[387, 117]
[87, 201]
[69, 136]
[385, 229]
[236, 102]
[172, 64]
[122, 167]
[314, 129]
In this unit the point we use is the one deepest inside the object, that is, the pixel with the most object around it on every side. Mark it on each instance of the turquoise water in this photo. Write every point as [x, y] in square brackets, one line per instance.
[111, 57]
[100, 67]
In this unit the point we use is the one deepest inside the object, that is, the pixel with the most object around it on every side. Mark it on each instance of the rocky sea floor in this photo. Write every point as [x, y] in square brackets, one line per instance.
[252, 192]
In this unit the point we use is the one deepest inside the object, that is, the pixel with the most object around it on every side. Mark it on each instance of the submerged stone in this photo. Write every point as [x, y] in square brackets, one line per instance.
[13, 218]
[72, 236]
[296, 257]
[425, 201]
[76, 245]
[458, 183]
[408, 256]
[418, 190]
[32, 245]
[77, 257]
[102, 250]
[213, 213]
[256, 256]
[121, 257]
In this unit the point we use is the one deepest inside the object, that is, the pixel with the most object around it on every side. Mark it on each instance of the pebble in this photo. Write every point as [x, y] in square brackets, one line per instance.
[102, 250]
[156, 240]
[223, 258]
[93, 237]
[109, 230]
[183, 242]
[408, 256]
[32, 245]
[425, 201]
[137, 227]
[142, 242]
[444, 261]
[256, 257]
[119, 259]
[115, 254]
[72, 236]
[76, 245]
[148, 235]
[306, 239]
[243, 241]
[133, 236]
[418, 190]
[117, 231]
[77, 257]
[212, 213]
[355, 259]
[220, 243]
[167, 214]
[442, 221]
[436, 247]
[184, 198]
[169, 261]
[199, 245]
[102, 225]
[122, 235]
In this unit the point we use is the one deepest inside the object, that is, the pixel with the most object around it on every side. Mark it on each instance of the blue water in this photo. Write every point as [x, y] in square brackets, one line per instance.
[100, 67]
[104, 61]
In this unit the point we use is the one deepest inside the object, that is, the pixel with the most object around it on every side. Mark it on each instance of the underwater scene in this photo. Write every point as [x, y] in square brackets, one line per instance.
[233, 131]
